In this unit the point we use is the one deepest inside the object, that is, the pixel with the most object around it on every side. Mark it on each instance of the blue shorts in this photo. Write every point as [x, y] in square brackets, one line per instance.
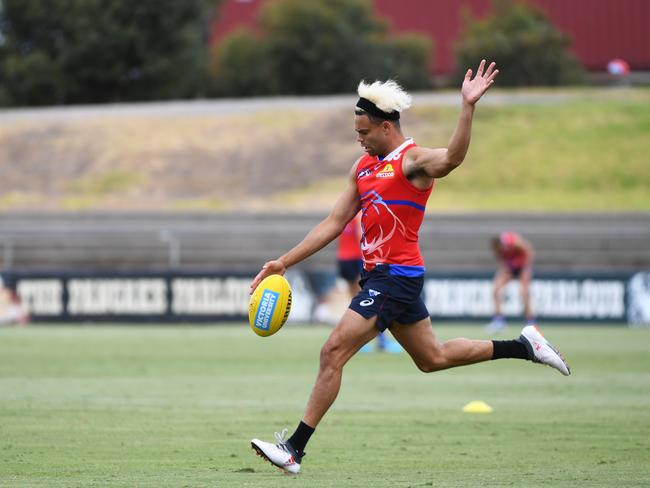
[350, 269]
[391, 298]
[516, 271]
[321, 282]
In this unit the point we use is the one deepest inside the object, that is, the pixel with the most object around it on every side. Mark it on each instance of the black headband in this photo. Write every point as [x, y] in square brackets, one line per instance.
[372, 109]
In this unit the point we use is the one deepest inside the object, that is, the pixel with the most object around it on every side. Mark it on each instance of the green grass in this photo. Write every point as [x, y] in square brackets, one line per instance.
[176, 407]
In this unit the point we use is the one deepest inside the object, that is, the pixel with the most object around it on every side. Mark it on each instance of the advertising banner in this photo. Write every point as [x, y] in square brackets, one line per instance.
[220, 296]
[559, 298]
[134, 297]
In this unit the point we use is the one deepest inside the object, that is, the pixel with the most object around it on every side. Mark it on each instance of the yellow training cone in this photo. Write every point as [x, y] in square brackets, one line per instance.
[477, 406]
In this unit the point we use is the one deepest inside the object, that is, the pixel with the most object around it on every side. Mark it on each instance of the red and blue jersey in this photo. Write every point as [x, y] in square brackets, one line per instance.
[392, 210]
[348, 248]
[513, 255]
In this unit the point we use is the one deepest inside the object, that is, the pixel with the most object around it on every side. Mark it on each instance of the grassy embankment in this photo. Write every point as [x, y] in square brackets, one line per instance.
[554, 150]
[587, 154]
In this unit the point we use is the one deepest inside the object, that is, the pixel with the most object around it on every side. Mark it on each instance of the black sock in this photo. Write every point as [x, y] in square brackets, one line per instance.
[300, 438]
[509, 349]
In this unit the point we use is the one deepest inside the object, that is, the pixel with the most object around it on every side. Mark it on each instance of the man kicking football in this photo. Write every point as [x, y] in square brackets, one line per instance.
[390, 184]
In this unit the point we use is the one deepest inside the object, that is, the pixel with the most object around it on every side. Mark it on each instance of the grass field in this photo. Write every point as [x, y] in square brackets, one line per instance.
[177, 406]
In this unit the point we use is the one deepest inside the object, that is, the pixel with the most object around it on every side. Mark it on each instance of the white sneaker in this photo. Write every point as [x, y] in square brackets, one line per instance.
[281, 454]
[542, 351]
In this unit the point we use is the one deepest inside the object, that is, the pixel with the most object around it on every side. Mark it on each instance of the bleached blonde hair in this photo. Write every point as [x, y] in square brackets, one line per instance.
[387, 95]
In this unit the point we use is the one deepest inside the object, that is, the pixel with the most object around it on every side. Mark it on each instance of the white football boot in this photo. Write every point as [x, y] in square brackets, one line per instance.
[281, 454]
[542, 351]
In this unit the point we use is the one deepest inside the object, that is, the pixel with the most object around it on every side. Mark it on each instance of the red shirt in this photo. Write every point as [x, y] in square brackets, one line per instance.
[514, 256]
[348, 245]
[392, 210]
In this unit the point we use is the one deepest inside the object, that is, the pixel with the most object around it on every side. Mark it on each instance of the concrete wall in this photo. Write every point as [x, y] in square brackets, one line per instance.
[107, 241]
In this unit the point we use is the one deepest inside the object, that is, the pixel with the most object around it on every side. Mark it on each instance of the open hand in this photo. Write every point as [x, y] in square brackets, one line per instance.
[269, 268]
[473, 89]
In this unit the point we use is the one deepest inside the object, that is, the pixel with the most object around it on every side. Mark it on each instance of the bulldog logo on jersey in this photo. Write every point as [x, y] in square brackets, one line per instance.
[375, 239]
[387, 172]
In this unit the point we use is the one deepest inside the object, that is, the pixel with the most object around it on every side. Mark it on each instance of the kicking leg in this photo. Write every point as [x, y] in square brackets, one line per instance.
[430, 355]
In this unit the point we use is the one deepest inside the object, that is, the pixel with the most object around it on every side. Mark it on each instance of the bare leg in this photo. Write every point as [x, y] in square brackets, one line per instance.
[501, 278]
[525, 278]
[352, 332]
[430, 355]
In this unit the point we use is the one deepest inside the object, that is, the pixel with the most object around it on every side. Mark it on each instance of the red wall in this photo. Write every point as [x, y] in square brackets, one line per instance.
[440, 19]
[604, 29]
[600, 29]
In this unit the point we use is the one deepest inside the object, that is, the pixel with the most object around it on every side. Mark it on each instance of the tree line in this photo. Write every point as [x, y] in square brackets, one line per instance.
[95, 51]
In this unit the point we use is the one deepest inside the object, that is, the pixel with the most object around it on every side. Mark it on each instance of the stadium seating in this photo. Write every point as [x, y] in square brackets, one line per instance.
[242, 242]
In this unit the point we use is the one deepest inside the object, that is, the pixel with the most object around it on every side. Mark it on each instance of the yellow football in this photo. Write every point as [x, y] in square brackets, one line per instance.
[269, 305]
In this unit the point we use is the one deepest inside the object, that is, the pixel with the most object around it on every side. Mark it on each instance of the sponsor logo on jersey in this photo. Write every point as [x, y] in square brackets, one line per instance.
[363, 173]
[387, 172]
[373, 293]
